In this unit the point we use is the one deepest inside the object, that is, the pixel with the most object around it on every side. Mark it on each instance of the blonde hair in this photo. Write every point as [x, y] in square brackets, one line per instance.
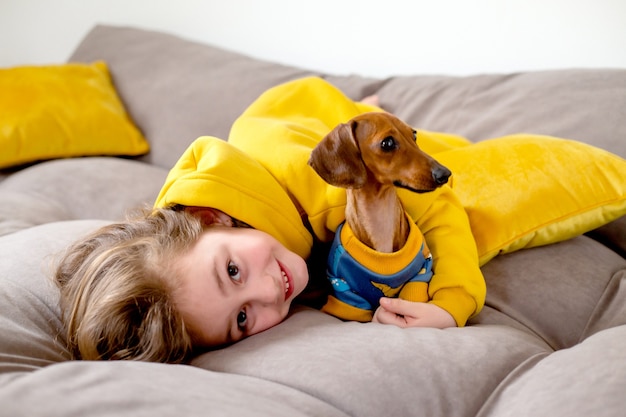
[117, 289]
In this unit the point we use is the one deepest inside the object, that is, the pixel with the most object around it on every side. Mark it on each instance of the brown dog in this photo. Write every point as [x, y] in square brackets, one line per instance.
[369, 156]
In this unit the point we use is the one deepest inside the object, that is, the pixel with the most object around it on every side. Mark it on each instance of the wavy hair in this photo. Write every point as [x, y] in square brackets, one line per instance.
[117, 289]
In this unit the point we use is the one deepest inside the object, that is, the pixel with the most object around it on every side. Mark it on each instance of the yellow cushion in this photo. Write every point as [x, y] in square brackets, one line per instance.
[523, 191]
[63, 111]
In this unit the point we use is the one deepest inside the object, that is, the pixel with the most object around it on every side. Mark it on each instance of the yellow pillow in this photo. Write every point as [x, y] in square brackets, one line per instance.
[523, 191]
[63, 111]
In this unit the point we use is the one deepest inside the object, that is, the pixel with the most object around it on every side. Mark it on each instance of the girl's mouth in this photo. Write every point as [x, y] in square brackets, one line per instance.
[287, 281]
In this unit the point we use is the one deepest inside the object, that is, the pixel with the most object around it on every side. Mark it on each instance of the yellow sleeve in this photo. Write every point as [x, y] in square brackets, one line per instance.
[457, 285]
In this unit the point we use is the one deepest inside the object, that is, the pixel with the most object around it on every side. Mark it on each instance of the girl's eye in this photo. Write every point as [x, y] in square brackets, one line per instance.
[233, 271]
[242, 318]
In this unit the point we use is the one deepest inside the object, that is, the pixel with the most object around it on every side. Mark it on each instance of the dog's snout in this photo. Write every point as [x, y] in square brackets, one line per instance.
[441, 175]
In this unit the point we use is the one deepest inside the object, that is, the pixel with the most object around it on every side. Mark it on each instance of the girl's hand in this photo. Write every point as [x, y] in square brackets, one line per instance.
[405, 313]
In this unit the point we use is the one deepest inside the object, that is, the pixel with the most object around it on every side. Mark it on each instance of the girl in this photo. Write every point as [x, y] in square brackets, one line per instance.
[156, 286]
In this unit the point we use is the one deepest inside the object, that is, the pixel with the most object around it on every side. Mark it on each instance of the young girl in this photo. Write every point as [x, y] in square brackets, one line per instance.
[156, 286]
[181, 277]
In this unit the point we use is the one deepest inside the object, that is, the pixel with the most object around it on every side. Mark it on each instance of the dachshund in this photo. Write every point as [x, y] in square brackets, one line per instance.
[370, 156]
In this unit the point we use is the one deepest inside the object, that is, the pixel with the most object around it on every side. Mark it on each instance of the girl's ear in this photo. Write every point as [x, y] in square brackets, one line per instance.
[210, 216]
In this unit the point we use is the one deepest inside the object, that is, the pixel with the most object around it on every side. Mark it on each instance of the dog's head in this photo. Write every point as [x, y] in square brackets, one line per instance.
[376, 147]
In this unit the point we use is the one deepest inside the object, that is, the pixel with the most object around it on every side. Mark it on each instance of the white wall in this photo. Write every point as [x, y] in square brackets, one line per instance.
[369, 37]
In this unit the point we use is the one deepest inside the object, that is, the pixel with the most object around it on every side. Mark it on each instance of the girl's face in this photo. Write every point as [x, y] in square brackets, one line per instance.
[237, 282]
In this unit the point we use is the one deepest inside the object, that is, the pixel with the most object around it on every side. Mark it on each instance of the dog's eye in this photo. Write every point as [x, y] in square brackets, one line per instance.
[415, 135]
[388, 144]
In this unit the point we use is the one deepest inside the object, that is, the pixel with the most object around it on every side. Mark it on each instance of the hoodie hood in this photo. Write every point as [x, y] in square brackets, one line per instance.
[213, 173]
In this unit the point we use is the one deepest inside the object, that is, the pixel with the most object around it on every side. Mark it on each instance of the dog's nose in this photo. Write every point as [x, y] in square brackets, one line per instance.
[441, 175]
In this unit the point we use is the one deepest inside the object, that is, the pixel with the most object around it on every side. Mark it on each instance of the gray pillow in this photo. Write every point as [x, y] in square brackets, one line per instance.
[563, 293]
[77, 188]
[30, 323]
[368, 369]
[587, 380]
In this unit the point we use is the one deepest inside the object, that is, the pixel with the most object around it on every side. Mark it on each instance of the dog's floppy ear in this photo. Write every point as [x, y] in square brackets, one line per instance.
[337, 158]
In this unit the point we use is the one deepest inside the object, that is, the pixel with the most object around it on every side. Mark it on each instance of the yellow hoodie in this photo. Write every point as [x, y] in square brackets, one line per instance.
[270, 186]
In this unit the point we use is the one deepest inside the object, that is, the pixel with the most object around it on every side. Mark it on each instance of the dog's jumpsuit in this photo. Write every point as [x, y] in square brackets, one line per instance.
[360, 276]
